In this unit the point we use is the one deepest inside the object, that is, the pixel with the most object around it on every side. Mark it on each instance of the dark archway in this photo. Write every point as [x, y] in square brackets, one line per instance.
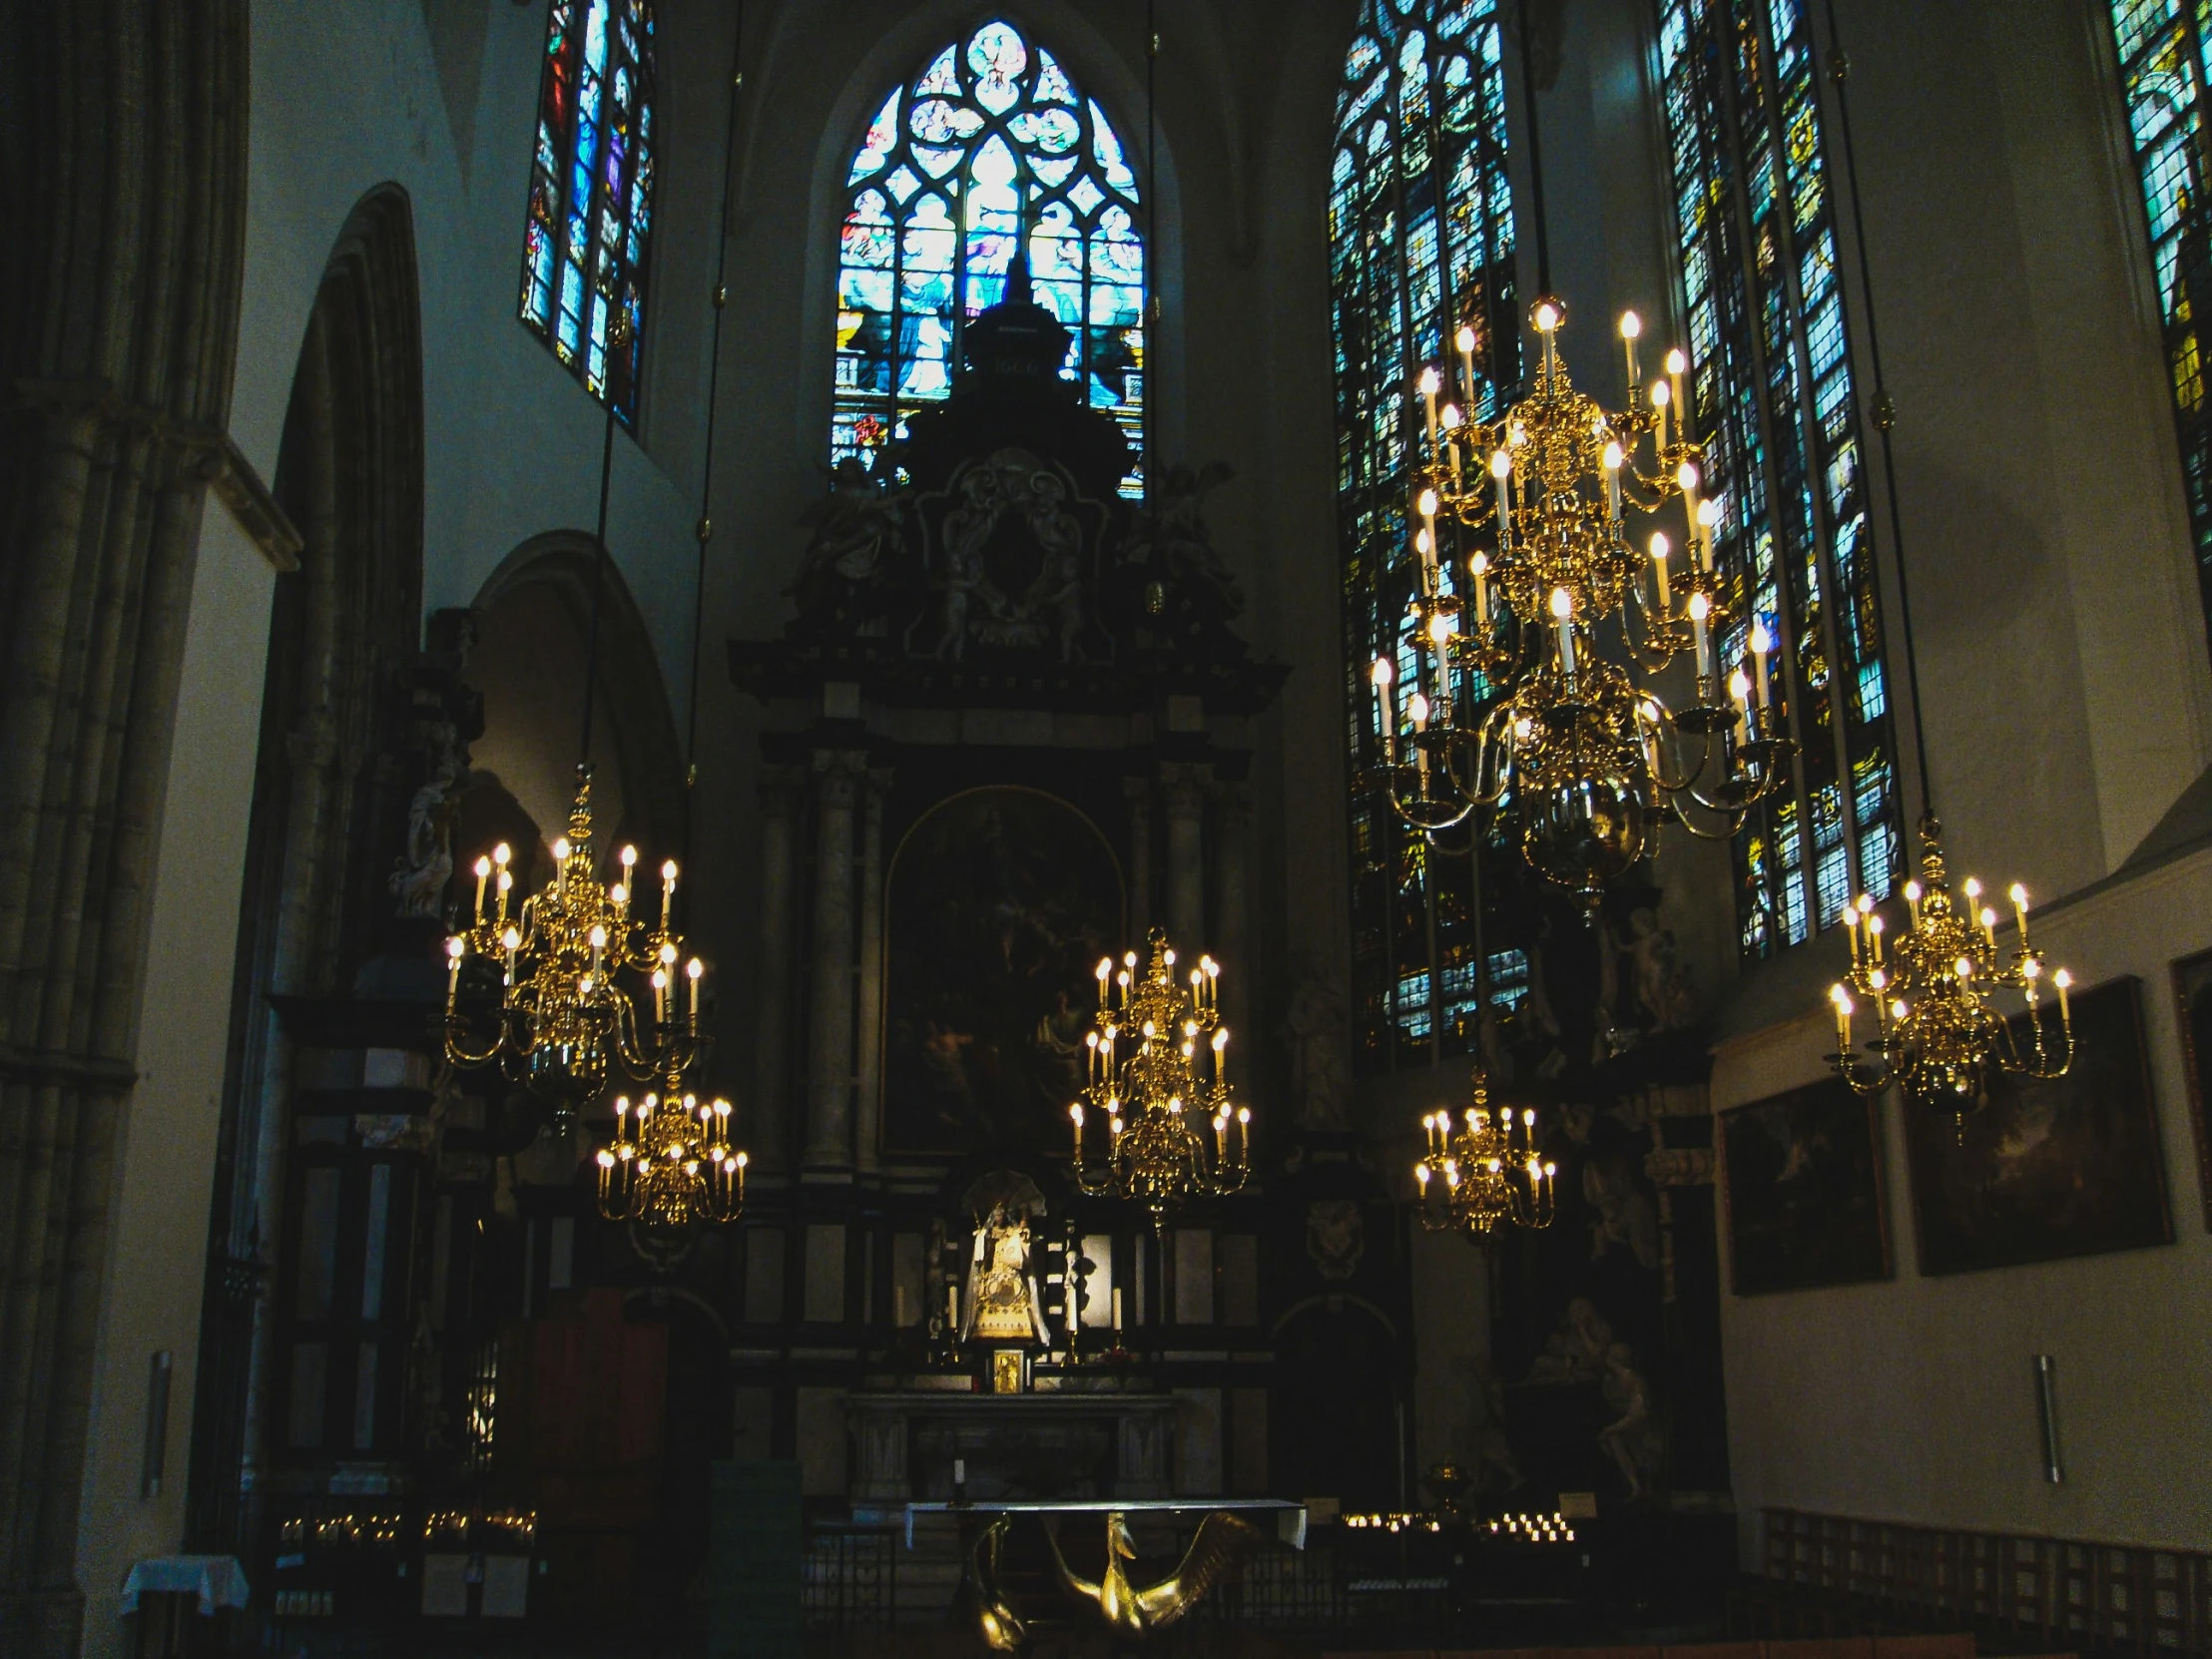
[328, 818]
[1332, 1424]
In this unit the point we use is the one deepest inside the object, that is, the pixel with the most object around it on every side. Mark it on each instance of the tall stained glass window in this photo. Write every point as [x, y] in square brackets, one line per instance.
[1420, 226]
[1775, 406]
[2162, 47]
[585, 245]
[991, 148]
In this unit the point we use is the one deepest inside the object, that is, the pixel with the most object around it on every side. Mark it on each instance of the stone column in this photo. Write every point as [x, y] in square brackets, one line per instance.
[868, 1101]
[1232, 940]
[772, 970]
[1186, 786]
[838, 775]
[1138, 792]
[137, 124]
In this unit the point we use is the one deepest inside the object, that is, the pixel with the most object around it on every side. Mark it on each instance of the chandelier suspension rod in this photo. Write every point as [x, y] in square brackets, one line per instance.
[706, 528]
[1536, 153]
[1152, 411]
[598, 575]
[1884, 412]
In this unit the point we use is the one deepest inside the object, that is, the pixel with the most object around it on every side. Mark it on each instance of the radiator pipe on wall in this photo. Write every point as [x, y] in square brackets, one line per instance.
[2046, 1408]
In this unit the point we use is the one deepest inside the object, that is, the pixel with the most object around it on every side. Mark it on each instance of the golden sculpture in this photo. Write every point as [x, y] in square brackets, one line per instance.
[1132, 1613]
[997, 1620]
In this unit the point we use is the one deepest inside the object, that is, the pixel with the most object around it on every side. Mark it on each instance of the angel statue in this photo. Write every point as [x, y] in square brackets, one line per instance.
[856, 532]
[1172, 543]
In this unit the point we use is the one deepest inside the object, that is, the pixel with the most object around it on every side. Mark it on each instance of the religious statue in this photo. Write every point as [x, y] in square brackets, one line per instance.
[855, 534]
[1316, 1024]
[1003, 1305]
[1634, 1440]
[419, 877]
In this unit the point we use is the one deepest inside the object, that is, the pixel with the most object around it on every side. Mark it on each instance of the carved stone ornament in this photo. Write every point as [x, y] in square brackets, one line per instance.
[1335, 1236]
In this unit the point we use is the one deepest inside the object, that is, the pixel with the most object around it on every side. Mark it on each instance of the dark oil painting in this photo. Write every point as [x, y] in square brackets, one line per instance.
[2069, 1166]
[1802, 1174]
[2193, 990]
[1001, 902]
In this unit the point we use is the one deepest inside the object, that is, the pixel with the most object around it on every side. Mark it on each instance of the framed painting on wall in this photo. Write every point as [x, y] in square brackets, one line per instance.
[2069, 1166]
[2193, 990]
[1802, 1177]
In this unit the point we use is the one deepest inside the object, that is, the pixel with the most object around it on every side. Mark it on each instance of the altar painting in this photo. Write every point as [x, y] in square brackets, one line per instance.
[1001, 902]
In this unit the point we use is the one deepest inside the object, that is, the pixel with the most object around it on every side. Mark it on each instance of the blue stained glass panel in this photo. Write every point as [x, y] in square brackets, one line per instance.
[996, 121]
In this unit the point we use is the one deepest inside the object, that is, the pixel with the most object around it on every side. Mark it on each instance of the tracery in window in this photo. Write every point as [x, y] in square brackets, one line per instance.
[1421, 224]
[2161, 47]
[990, 148]
[1775, 404]
[587, 241]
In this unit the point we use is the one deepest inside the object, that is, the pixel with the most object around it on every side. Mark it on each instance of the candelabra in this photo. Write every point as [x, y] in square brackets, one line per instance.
[671, 1163]
[1509, 688]
[1936, 1031]
[1485, 1171]
[561, 1021]
[1156, 1065]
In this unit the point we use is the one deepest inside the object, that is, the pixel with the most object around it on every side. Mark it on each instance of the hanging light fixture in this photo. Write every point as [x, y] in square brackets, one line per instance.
[562, 1021]
[1939, 1031]
[671, 1163]
[1157, 1063]
[1483, 1172]
[1510, 688]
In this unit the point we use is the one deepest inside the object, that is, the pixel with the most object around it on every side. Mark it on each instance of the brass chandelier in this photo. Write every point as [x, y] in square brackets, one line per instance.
[1937, 1030]
[1484, 1172]
[1156, 1061]
[671, 1163]
[562, 1022]
[1527, 572]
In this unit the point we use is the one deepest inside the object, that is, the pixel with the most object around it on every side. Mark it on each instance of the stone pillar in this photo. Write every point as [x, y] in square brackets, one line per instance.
[136, 121]
[1186, 786]
[767, 1123]
[1138, 792]
[868, 1100]
[829, 1056]
[1231, 939]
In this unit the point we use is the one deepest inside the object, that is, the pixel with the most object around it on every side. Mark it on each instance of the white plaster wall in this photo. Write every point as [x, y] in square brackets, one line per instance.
[156, 1251]
[1912, 1400]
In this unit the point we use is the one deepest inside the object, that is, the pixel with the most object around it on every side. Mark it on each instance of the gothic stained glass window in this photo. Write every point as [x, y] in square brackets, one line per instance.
[1775, 402]
[2164, 67]
[590, 223]
[1420, 228]
[990, 146]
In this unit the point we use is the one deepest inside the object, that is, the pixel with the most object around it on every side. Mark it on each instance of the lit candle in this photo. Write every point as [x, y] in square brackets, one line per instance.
[512, 941]
[2019, 911]
[1762, 642]
[1425, 505]
[1851, 925]
[1700, 608]
[1417, 707]
[1659, 551]
[1501, 469]
[1738, 689]
[1244, 1134]
[1386, 704]
[2062, 979]
[1989, 919]
[1464, 341]
[1686, 480]
[1562, 612]
[1912, 902]
[1631, 326]
[659, 998]
[453, 949]
[560, 864]
[507, 885]
[1611, 461]
[1480, 565]
[1873, 939]
[1843, 1019]
[1708, 520]
[598, 950]
[668, 892]
[1451, 442]
[1659, 398]
[1430, 386]
[1676, 364]
[483, 875]
[1105, 974]
[1075, 1113]
[692, 971]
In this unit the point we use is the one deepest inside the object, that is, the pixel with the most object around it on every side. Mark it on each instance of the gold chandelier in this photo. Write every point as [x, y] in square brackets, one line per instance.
[1157, 1064]
[1485, 1171]
[671, 1163]
[562, 1021]
[1523, 553]
[1937, 1029]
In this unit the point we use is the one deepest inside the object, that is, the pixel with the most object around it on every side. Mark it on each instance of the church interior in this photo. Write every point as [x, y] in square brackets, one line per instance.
[928, 828]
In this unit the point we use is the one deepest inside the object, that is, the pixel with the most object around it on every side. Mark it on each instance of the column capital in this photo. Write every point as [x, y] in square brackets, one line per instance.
[1187, 785]
[780, 789]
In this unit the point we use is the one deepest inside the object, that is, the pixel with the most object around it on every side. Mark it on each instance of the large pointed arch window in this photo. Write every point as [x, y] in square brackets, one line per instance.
[589, 231]
[1420, 226]
[1775, 402]
[990, 148]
